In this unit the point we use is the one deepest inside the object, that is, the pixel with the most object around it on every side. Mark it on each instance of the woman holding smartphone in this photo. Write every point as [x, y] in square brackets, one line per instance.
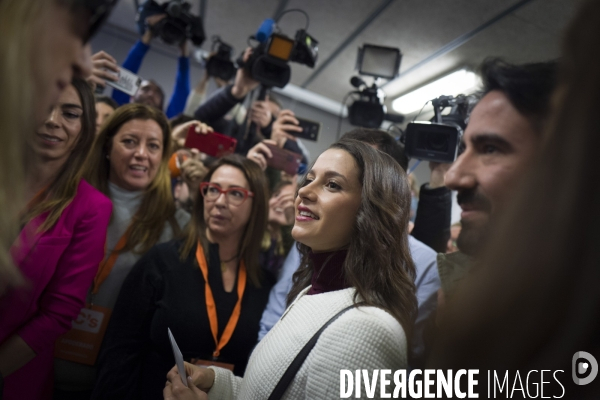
[351, 215]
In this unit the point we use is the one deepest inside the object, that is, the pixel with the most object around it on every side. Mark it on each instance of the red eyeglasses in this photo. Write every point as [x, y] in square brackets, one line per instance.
[234, 196]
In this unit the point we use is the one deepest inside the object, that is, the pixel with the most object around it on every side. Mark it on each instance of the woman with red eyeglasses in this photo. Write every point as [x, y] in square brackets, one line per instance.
[207, 288]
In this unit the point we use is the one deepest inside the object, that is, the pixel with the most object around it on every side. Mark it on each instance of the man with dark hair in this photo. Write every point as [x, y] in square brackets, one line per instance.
[503, 134]
[382, 141]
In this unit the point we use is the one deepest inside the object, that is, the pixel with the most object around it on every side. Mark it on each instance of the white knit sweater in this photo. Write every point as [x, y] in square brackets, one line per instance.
[362, 338]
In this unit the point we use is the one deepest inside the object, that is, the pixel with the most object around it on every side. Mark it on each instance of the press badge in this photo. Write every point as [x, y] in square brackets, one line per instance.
[82, 343]
[207, 363]
[128, 82]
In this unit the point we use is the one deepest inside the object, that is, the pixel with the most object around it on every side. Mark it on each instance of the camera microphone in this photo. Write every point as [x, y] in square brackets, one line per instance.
[357, 82]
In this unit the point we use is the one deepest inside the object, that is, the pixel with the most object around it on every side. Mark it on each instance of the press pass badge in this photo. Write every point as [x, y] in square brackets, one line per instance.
[128, 82]
[178, 358]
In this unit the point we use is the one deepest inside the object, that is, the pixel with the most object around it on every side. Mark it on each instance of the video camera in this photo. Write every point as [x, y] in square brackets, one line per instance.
[179, 24]
[268, 63]
[380, 62]
[219, 64]
[438, 141]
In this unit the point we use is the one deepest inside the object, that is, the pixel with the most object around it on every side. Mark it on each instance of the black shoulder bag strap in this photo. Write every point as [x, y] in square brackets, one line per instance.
[292, 370]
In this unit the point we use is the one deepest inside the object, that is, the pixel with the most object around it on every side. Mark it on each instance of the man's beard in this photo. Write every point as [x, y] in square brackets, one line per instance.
[473, 234]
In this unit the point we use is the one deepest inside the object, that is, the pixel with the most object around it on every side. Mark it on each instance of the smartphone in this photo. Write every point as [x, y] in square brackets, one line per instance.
[284, 160]
[310, 129]
[128, 82]
[214, 144]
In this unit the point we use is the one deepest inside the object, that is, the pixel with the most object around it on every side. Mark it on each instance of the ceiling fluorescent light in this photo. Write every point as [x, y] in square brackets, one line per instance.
[458, 82]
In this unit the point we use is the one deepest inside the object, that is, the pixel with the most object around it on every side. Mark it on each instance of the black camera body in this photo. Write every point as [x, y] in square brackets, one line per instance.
[438, 141]
[179, 24]
[367, 111]
[268, 63]
[219, 64]
[432, 141]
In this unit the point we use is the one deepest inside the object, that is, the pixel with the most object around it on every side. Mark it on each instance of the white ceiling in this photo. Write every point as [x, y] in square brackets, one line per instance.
[417, 27]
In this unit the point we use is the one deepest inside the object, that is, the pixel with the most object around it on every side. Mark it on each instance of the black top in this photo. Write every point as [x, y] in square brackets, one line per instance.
[328, 274]
[434, 212]
[164, 292]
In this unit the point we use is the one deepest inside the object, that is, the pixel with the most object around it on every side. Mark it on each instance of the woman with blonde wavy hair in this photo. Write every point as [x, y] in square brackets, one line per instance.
[129, 164]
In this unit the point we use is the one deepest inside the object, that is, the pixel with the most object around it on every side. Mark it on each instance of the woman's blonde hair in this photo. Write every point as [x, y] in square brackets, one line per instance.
[157, 205]
[18, 19]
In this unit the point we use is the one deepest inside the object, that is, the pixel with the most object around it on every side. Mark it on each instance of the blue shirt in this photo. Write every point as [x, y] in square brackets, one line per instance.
[181, 91]
[427, 283]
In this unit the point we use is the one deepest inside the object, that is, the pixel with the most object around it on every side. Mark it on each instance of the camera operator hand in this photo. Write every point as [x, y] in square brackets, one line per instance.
[180, 132]
[260, 153]
[438, 170]
[104, 67]
[185, 49]
[150, 21]
[285, 122]
[260, 113]
[243, 82]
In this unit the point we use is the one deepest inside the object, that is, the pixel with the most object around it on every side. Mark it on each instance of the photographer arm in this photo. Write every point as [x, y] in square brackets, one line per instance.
[434, 212]
[182, 84]
[132, 63]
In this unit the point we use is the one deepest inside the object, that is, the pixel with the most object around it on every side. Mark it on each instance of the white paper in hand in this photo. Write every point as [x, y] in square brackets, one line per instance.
[178, 358]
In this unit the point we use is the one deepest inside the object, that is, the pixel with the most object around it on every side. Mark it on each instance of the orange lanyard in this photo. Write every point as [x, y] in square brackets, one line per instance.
[107, 265]
[211, 309]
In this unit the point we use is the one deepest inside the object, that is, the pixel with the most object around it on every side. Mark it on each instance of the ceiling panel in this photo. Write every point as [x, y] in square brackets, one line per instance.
[417, 27]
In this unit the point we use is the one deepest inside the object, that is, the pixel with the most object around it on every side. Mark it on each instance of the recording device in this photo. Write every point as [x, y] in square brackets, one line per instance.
[268, 63]
[284, 160]
[368, 109]
[214, 144]
[178, 25]
[219, 64]
[438, 140]
[128, 82]
[310, 129]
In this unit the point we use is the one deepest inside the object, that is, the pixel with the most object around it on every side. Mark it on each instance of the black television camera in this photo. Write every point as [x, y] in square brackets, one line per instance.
[219, 64]
[179, 24]
[368, 109]
[438, 141]
[268, 63]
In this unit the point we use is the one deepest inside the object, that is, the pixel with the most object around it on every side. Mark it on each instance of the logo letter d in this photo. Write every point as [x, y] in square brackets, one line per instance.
[591, 361]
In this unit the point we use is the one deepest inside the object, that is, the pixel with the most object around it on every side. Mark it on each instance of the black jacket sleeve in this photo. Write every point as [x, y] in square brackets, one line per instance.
[432, 223]
[216, 106]
[127, 339]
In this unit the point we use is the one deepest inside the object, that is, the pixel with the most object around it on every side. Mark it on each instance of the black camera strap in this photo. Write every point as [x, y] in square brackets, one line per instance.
[294, 367]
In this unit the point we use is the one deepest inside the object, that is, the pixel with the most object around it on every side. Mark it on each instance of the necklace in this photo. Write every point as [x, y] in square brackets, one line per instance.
[223, 262]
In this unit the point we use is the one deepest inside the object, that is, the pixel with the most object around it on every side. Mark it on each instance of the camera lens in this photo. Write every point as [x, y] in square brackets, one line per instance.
[437, 141]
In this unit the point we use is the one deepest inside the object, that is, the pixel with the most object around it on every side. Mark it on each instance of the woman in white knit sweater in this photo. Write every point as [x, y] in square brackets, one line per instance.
[352, 210]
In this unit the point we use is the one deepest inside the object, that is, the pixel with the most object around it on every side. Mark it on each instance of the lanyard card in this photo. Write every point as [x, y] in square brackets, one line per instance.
[178, 358]
[82, 343]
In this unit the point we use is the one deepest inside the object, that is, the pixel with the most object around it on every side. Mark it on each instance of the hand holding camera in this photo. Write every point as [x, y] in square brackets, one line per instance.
[243, 81]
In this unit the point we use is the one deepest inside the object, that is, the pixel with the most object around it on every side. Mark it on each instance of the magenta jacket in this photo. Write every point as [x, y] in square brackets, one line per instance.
[59, 266]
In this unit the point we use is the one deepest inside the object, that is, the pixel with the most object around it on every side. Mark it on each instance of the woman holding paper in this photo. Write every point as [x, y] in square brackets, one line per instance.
[208, 289]
[351, 215]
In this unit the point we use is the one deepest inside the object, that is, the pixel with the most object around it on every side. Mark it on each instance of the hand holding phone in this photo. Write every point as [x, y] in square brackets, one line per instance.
[283, 160]
[212, 143]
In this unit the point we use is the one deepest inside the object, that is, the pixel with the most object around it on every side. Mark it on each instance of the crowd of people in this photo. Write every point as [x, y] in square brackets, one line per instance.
[113, 233]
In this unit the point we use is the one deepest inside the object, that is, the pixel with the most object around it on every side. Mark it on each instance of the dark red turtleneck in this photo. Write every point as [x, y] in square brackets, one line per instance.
[328, 274]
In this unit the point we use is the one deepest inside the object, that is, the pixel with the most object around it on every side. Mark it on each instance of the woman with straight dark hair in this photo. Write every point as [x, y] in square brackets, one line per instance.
[128, 163]
[208, 289]
[533, 302]
[352, 211]
[58, 249]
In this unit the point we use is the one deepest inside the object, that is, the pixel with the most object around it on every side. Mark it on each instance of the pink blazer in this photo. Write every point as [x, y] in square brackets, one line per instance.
[59, 266]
